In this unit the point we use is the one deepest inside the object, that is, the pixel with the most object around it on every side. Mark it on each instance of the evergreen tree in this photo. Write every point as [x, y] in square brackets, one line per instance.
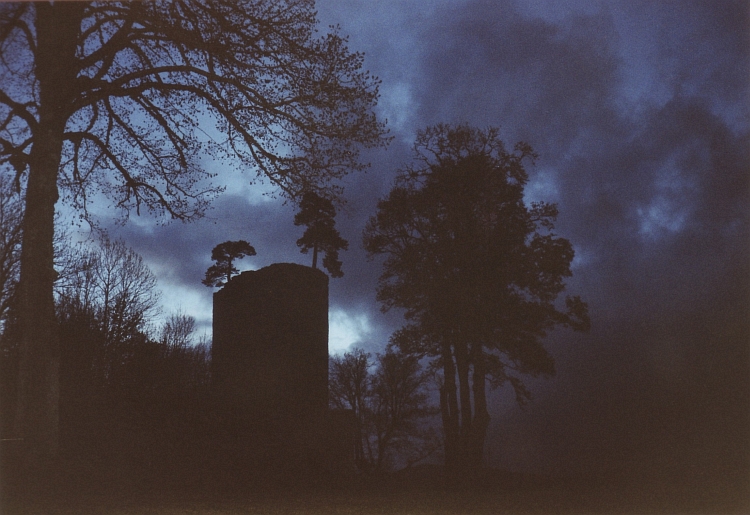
[318, 214]
[225, 254]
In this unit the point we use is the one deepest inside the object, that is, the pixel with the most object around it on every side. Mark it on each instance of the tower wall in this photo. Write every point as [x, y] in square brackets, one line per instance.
[270, 350]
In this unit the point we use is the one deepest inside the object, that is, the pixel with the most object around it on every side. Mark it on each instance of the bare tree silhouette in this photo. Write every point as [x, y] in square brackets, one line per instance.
[388, 397]
[113, 97]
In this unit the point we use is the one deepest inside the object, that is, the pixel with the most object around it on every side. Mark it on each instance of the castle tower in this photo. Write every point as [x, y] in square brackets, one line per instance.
[270, 353]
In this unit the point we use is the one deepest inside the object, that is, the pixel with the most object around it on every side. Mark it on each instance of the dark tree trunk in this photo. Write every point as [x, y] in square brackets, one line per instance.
[229, 270]
[450, 412]
[359, 450]
[37, 415]
[315, 256]
[465, 423]
[481, 419]
[464, 391]
[464, 465]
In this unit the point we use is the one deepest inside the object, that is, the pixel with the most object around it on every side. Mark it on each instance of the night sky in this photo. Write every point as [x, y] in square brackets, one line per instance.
[640, 114]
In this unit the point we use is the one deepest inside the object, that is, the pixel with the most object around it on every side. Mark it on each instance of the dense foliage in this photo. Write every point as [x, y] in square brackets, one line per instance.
[132, 393]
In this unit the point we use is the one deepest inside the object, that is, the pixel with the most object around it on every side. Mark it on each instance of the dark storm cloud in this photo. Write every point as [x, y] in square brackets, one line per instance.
[540, 82]
[624, 182]
[661, 383]
[639, 114]
[696, 48]
[267, 226]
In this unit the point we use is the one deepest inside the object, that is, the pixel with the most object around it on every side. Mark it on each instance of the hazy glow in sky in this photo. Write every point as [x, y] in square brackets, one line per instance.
[542, 186]
[177, 298]
[345, 329]
[660, 215]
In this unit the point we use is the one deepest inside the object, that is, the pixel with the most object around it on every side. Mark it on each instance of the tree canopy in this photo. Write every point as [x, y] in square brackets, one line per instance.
[134, 87]
[319, 215]
[124, 99]
[225, 254]
[476, 270]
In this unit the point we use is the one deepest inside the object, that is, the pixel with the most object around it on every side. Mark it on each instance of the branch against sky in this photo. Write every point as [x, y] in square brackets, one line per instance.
[11, 215]
[109, 280]
[147, 78]
[113, 98]
[388, 397]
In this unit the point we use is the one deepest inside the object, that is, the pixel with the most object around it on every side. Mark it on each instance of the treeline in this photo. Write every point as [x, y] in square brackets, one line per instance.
[133, 393]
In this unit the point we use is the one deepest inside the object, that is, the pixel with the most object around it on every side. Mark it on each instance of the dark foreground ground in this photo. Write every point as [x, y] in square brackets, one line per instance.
[84, 489]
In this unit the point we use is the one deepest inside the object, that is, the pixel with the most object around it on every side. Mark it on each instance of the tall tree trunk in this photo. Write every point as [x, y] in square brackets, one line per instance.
[449, 411]
[359, 450]
[37, 415]
[229, 270]
[315, 256]
[481, 419]
[464, 392]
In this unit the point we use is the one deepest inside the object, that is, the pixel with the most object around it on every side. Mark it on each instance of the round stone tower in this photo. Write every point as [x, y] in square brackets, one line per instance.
[270, 353]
